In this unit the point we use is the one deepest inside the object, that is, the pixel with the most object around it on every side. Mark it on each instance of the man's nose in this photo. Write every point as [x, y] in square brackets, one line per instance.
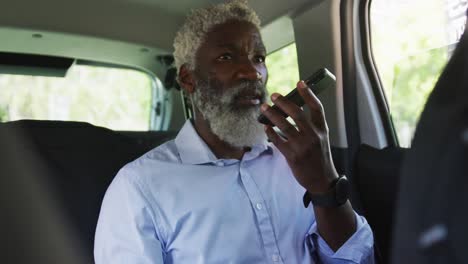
[248, 71]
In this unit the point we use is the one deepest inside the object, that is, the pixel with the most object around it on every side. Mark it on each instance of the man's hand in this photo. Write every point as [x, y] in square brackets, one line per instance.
[307, 151]
[307, 147]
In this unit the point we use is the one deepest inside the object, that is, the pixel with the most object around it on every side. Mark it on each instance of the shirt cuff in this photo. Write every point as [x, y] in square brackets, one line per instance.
[359, 248]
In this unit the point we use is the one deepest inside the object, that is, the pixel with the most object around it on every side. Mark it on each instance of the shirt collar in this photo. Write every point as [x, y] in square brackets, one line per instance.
[193, 150]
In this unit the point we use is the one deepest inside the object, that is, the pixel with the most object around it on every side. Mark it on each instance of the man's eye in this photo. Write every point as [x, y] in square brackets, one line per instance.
[259, 59]
[225, 56]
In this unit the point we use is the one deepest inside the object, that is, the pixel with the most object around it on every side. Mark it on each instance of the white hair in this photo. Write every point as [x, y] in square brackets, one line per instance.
[200, 21]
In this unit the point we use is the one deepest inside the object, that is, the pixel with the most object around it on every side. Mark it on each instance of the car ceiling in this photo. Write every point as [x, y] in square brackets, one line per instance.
[125, 32]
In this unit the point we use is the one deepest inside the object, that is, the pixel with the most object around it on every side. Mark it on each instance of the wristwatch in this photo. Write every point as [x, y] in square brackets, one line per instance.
[337, 194]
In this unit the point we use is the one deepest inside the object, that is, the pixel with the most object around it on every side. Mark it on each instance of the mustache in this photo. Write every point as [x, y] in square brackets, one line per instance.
[256, 88]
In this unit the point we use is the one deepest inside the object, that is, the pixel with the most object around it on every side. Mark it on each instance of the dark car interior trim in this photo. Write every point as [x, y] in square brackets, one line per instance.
[30, 64]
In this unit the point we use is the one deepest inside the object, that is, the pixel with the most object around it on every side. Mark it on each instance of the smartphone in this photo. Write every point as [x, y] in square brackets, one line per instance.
[317, 82]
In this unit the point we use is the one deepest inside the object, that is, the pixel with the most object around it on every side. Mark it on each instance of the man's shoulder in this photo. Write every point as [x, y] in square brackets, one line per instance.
[166, 152]
[150, 162]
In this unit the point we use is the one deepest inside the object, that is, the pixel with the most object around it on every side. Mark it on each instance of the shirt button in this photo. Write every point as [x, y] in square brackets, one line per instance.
[259, 206]
[275, 258]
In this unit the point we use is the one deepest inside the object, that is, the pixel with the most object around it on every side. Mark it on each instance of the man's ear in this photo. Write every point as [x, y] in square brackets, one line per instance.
[186, 79]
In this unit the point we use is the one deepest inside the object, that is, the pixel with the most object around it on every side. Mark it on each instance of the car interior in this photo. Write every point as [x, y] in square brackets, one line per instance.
[55, 169]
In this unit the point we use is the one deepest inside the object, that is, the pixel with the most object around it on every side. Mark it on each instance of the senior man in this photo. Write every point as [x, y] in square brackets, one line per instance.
[219, 192]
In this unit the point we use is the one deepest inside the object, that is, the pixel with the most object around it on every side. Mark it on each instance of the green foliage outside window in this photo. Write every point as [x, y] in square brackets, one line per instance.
[410, 43]
[110, 97]
[415, 78]
[3, 115]
[283, 71]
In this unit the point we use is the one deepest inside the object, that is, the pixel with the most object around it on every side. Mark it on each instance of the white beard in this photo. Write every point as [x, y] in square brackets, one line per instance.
[237, 127]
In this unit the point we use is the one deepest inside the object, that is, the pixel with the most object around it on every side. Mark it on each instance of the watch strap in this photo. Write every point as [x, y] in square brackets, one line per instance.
[336, 195]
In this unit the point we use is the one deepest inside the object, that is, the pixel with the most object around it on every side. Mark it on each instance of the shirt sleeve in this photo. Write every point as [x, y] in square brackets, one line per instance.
[358, 249]
[126, 230]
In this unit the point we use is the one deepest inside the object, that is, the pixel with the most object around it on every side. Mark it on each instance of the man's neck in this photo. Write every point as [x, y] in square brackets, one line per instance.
[220, 148]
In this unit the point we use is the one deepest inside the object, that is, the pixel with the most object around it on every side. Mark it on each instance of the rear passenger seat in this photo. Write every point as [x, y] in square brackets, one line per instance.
[82, 160]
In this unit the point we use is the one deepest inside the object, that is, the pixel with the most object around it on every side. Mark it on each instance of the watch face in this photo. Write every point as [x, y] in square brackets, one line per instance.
[342, 190]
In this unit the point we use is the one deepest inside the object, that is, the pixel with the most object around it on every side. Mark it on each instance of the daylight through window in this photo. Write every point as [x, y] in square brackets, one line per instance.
[114, 98]
[411, 42]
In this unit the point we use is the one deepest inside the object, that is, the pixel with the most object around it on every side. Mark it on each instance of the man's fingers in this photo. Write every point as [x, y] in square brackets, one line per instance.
[314, 104]
[292, 110]
[276, 139]
[280, 121]
[309, 97]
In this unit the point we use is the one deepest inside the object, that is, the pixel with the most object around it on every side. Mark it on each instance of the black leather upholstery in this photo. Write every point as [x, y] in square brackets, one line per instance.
[377, 180]
[82, 160]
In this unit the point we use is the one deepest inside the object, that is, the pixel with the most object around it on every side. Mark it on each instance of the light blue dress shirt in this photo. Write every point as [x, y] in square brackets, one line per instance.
[178, 203]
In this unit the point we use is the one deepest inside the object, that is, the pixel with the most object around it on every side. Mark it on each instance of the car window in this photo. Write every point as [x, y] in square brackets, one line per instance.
[283, 71]
[411, 43]
[115, 98]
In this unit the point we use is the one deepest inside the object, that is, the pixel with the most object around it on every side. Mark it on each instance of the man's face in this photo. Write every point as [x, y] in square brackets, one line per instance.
[231, 54]
[230, 77]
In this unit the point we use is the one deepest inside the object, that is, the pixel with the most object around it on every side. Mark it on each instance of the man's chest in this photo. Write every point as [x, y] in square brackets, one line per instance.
[246, 211]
